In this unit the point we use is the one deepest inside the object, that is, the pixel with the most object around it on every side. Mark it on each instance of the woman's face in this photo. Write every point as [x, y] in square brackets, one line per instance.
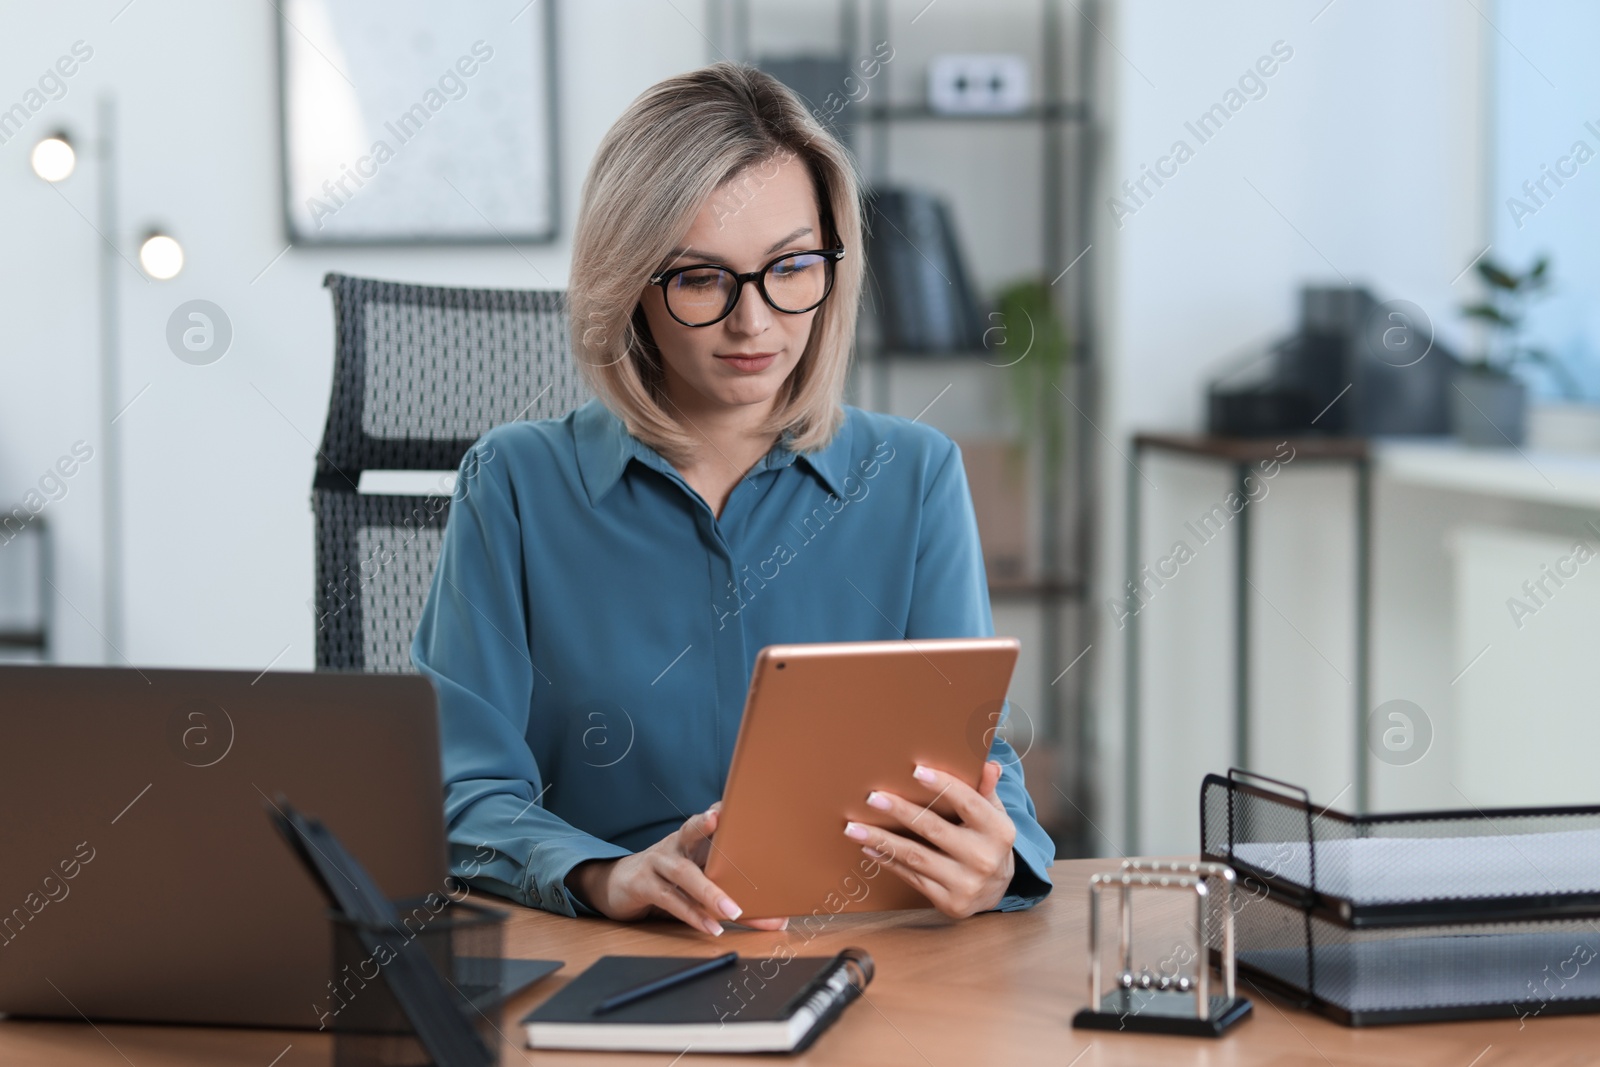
[764, 211]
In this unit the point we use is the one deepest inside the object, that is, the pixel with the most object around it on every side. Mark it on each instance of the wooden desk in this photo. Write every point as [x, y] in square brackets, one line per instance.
[995, 989]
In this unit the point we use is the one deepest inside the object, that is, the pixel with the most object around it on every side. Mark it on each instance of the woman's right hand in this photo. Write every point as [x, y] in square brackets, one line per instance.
[667, 877]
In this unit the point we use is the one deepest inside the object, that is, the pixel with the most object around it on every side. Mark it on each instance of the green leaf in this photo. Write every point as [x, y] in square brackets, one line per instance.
[1495, 276]
[1488, 312]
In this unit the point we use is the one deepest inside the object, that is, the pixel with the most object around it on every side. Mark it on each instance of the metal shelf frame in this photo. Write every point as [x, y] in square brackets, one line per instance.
[1067, 556]
[1239, 455]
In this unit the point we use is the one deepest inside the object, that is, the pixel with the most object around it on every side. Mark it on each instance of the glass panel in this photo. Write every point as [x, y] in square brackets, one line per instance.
[700, 295]
[798, 282]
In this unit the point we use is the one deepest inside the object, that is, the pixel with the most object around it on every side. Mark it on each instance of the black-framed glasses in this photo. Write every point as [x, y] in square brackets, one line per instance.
[703, 294]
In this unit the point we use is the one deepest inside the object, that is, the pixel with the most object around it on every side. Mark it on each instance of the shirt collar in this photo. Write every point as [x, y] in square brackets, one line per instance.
[605, 446]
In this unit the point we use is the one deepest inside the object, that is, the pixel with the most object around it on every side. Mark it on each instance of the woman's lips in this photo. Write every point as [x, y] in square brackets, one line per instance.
[750, 362]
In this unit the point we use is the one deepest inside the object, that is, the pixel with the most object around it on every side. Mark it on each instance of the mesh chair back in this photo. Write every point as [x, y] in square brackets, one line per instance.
[420, 373]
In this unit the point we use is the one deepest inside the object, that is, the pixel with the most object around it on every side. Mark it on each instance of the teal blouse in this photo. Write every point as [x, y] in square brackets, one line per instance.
[592, 627]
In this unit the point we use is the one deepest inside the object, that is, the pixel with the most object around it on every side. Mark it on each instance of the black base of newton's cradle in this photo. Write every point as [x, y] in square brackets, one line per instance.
[1143, 1011]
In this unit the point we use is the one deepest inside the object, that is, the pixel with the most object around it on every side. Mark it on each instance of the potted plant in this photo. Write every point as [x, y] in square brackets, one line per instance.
[1489, 402]
[1028, 343]
[1033, 345]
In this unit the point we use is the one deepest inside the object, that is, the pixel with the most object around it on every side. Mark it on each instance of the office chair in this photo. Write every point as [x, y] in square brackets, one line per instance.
[419, 373]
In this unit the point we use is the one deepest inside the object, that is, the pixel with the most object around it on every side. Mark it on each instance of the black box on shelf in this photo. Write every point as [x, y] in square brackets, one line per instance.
[1354, 367]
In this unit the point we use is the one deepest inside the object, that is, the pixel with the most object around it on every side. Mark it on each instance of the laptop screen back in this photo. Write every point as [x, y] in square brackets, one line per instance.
[140, 878]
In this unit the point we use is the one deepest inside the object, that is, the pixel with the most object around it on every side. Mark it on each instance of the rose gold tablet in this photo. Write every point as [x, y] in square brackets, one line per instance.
[824, 725]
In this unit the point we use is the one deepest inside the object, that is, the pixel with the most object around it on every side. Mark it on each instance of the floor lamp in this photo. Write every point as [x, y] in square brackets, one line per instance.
[54, 158]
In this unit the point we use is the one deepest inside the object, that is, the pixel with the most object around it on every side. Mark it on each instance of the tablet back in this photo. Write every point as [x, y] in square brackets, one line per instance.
[824, 725]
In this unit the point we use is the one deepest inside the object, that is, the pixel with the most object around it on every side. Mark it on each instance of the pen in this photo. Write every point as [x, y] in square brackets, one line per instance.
[666, 981]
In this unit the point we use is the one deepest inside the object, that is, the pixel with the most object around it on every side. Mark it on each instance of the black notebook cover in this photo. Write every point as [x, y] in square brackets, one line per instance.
[706, 1010]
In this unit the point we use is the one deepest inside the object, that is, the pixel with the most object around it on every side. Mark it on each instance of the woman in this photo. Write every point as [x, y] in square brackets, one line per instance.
[607, 578]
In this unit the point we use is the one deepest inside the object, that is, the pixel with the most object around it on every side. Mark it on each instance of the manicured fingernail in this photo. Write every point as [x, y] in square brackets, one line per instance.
[922, 774]
[785, 925]
[729, 908]
[855, 830]
[713, 928]
[872, 852]
[878, 800]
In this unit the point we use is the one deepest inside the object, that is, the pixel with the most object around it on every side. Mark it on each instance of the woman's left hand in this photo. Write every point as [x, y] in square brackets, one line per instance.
[966, 865]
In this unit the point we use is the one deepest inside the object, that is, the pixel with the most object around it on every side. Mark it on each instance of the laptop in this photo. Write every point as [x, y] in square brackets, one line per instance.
[140, 877]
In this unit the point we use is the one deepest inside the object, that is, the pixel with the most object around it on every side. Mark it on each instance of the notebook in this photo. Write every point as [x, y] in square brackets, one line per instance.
[759, 1004]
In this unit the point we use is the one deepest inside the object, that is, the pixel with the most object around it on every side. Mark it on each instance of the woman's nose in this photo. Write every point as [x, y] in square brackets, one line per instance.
[750, 316]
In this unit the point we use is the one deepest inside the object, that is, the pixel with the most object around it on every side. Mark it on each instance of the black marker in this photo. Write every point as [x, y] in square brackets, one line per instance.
[666, 981]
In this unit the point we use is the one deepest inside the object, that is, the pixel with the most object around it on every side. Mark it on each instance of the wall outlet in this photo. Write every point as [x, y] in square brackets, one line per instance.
[978, 84]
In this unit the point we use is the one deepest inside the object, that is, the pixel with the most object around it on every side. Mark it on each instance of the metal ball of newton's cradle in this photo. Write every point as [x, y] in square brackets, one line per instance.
[1122, 1012]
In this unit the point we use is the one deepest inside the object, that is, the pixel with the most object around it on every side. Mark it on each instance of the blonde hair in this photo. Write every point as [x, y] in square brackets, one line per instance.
[674, 147]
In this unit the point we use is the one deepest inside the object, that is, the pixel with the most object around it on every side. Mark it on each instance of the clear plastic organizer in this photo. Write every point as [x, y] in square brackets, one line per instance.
[1414, 916]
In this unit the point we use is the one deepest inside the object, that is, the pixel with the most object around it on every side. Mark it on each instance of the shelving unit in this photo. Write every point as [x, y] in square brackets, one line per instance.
[1073, 112]
[1064, 120]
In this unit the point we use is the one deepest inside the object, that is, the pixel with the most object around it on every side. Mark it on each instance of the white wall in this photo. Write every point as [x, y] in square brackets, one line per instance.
[1364, 161]
[218, 459]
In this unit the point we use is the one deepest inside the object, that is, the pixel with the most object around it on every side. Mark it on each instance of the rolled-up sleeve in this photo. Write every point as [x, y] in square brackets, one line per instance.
[472, 641]
[950, 598]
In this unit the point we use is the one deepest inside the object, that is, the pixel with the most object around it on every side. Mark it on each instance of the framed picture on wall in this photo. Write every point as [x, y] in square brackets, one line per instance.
[416, 122]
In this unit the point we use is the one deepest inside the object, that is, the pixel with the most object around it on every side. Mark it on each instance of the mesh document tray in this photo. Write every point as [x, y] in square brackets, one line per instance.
[1414, 916]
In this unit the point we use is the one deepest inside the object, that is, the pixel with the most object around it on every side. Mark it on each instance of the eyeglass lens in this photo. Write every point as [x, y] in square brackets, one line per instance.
[794, 284]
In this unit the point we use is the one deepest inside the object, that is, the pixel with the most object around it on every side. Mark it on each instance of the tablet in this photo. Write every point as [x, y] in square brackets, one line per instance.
[824, 725]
